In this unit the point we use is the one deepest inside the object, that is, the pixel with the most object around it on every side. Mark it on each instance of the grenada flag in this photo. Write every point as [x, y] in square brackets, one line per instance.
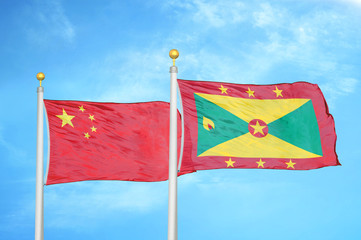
[282, 126]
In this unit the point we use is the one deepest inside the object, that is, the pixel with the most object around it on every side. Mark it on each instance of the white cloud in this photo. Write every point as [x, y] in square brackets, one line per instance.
[84, 204]
[222, 186]
[304, 35]
[348, 85]
[77, 204]
[354, 2]
[49, 22]
[140, 77]
[19, 218]
[338, 87]
[300, 40]
[211, 13]
[268, 16]
[14, 152]
[218, 13]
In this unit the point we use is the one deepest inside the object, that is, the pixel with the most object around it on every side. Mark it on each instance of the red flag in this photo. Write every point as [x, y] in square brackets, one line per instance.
[282, 126]
[108, 141]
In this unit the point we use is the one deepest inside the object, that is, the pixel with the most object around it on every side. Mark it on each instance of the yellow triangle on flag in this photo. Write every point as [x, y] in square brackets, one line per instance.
[248, 146]
[267, 110]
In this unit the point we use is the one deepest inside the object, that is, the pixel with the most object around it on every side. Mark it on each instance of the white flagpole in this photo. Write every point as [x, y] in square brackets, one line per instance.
[39, 197]
[172, 188]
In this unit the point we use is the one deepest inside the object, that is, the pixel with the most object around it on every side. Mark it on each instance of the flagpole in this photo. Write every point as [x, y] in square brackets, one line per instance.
[39, 195]
[172, 187]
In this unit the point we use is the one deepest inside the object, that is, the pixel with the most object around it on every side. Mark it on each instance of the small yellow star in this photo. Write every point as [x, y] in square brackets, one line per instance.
[86, 135]
[224, 90]
[230, 162]
[66, 119]
[258, 128]
[278, 92]
[260, 163]
[93, 129]
[81, 108]
[290, 164]
[91, 117]
[250, 92]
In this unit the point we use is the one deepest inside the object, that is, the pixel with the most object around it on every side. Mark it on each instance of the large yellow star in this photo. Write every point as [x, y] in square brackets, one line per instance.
[94, 129]
[66, 119]
[230, 162]
[260, 163]
[250, 92]
[278, 92]
[258, 128]
[91, 117]
[290, 164]
[223, 89]
[86, 135]
[81, 108]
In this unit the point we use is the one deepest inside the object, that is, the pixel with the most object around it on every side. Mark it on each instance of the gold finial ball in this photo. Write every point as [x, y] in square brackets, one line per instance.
[173, 53]
[40, 76]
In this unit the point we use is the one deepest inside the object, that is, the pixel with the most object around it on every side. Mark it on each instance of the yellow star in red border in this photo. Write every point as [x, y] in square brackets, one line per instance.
[278, 92]
[260, 163]
[258, 128]
[66, 119]
[81, 108]
[230, 162]
[223, 89]
[250, 93]
[290, 164]
[86, 135]
[91, 117]
[94, 129]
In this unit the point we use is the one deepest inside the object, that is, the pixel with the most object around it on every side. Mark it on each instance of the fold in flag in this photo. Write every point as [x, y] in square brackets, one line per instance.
[108, 141]
[282, 126]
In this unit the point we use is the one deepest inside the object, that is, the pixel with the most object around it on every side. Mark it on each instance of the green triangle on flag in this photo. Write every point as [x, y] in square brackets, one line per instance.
[216, 125]
[299, 128]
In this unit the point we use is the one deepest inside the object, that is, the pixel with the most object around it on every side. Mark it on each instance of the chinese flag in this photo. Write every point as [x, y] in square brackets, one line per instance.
[282, 126]
[108, 141]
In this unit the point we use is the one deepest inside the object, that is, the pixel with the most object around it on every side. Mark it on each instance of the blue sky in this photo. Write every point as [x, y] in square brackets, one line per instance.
[117, 51]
